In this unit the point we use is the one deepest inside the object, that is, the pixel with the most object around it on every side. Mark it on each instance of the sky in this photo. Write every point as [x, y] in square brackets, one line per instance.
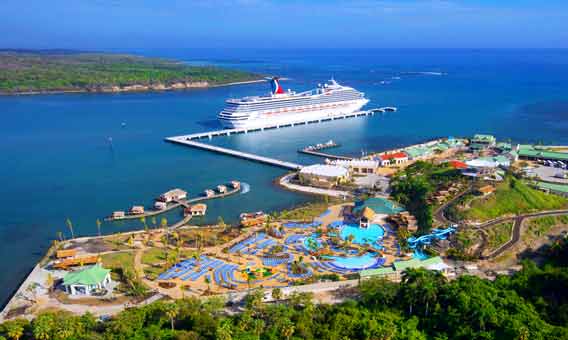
[99, 24]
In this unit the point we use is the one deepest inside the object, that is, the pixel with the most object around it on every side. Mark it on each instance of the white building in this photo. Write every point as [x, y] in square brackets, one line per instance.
[323, 175]
[358, 166]
[87, 281]
[173, 195]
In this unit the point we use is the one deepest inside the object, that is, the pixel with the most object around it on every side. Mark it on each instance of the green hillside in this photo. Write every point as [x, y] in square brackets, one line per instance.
[512, 196]
[56, 71]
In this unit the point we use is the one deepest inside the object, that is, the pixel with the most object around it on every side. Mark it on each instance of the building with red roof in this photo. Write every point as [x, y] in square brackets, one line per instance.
[395, 158]
[457, 164]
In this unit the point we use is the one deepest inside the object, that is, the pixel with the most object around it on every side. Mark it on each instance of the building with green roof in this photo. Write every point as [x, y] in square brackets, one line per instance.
[534, 152]
[86, 281]
[555, 188]
[395, 271]
[372, 208]
[482, 142]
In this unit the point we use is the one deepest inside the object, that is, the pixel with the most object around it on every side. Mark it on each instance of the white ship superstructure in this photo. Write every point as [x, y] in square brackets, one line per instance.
[285, 107]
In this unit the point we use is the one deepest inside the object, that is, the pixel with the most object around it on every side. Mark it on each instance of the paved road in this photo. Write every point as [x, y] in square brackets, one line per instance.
[440, 213]
[517, 229]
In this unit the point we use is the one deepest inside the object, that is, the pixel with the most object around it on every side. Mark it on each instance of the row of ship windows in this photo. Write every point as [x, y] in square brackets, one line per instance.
[349, 93]
[225, 116]
[285, 105]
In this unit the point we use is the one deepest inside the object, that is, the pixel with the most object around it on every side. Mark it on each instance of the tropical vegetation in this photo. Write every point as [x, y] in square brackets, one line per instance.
[29, 71]
[531, 304]
[414, 186]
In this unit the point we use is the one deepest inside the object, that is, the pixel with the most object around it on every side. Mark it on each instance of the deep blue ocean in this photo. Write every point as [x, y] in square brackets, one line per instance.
[58, 161]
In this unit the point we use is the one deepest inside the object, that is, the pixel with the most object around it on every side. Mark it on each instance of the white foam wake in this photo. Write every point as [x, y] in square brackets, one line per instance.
[245, 187]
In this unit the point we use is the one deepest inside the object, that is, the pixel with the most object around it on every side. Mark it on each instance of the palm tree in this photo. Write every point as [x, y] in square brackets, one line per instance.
[171, 310]
[277, 294]
[99, 226]
[143, 220]
[164, 222]
[249, 279]
[14, 330]
[288, 329]
[42, 327]
[70, 227]
[208, 281]
[49, 282]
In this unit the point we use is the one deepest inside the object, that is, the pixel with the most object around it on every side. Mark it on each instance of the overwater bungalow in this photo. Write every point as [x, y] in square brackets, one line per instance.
[117, 215]
[197, 209]
[173, 195]
[159, 205]
[137, 210]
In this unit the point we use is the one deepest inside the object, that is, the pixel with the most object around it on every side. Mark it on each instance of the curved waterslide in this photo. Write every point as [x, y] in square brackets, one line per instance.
[436, 234]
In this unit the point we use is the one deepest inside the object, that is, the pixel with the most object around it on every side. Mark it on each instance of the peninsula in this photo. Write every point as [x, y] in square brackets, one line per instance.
[57, 71]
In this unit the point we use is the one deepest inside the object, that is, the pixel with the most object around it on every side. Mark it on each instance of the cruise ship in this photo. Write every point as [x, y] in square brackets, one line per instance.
[285, 107]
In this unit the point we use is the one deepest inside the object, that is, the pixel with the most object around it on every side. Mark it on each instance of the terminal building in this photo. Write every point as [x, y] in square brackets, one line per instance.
[323, 175]
[357, 166]
[535, 152]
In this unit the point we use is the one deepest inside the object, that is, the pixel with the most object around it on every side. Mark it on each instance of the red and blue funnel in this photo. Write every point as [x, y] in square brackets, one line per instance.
[276, 87]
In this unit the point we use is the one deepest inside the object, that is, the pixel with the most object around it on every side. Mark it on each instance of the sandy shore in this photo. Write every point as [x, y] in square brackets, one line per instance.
[136, 88]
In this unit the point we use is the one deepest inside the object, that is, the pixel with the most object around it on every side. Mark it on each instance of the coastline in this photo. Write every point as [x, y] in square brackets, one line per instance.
[136, 88]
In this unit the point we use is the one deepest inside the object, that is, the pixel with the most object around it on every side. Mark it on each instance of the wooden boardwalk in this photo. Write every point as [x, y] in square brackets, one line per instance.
[176, 204]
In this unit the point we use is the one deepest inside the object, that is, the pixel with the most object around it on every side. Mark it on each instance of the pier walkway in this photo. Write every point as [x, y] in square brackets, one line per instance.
[192, 139]
[186, 140]
[175, 204]
[324, 155]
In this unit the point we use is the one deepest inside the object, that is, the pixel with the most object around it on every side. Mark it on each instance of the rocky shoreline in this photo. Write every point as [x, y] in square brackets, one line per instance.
[136, 88]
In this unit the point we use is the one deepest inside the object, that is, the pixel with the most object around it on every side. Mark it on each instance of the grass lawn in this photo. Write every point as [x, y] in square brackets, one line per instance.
[153, 256]
[155, 261]
[499, 234]
[512, 196]
[305, 212]
[536, 227]
[116, 261]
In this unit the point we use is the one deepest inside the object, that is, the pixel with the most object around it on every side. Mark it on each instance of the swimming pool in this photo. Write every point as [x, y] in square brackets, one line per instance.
[355, 262]
[368, 235]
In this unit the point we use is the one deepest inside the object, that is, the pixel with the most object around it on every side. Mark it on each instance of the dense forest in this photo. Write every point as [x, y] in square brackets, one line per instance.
[25, 71]
[413, 186]
[532, 304]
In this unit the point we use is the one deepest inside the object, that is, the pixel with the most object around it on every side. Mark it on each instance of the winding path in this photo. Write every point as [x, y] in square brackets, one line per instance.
[517, 229]
[440, 213]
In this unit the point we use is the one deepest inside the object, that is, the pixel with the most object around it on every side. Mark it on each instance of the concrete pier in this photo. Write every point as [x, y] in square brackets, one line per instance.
[192, 139]
[245, 155]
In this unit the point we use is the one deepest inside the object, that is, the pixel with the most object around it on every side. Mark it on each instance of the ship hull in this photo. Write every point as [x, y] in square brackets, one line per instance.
[279, 118]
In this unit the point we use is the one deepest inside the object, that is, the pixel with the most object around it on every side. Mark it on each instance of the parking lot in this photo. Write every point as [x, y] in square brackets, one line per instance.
[550, 174]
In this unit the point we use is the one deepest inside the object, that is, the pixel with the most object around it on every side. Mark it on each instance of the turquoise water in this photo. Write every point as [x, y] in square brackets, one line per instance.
[368, 235]
[355, 262]
[57, 161]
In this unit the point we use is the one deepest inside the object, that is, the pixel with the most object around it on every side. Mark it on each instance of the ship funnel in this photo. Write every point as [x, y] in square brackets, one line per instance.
[276, 87]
